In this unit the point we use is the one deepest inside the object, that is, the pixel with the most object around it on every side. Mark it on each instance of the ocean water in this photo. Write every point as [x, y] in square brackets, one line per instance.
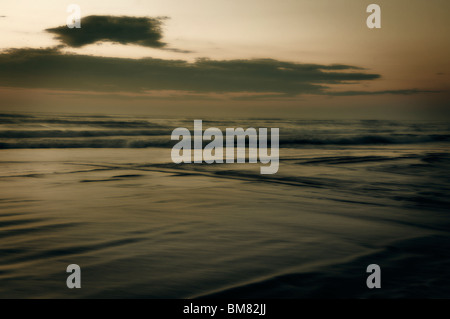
[102, 192]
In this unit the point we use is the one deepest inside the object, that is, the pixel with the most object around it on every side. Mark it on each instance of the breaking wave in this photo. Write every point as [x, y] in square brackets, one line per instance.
[74, 131]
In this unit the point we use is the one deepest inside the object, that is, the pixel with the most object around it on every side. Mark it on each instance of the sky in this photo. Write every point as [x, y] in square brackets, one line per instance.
[252, 58]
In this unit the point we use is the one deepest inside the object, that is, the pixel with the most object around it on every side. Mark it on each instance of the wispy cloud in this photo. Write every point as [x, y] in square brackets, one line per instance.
[395, 92]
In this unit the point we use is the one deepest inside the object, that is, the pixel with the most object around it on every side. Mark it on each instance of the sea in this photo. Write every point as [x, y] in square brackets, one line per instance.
[102, 192]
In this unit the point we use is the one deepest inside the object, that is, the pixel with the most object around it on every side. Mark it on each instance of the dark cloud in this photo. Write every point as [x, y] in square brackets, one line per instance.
[177, 50]
[49, 68]
[396, 92]
[124, 30]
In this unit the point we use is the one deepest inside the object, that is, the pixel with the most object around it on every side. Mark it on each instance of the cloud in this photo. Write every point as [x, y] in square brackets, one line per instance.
[51, 69]
[395, 92]
[177, 50]
[142, 31]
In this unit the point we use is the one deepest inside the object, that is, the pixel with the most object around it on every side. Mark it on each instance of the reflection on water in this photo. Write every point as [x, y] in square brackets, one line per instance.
[102, 192]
